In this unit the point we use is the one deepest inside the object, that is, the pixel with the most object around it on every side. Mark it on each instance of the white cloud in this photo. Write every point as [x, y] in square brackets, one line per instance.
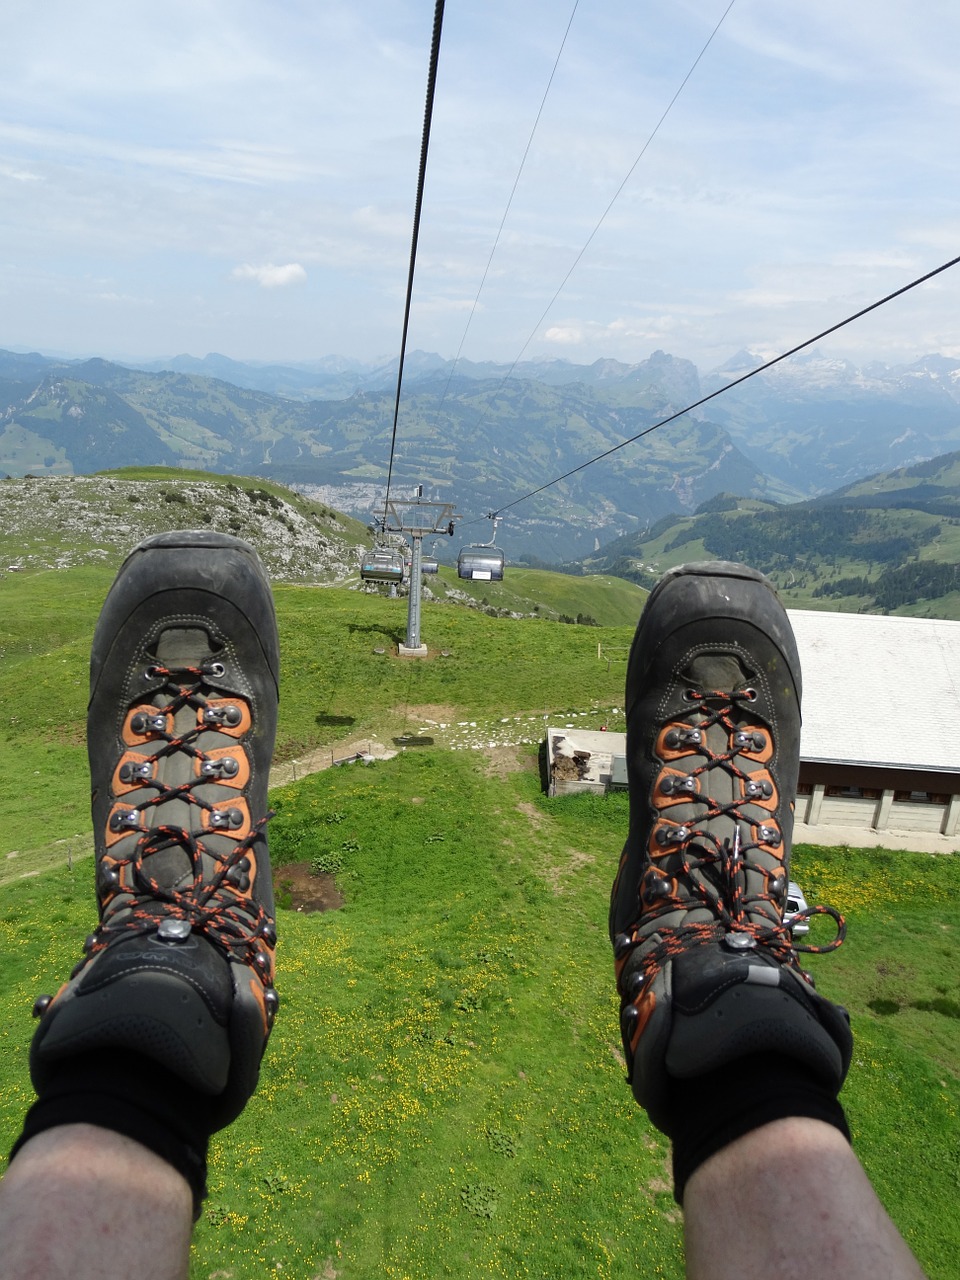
[18, 175]
[445, 307]
[389, 222]
[805, 170]
[563, 335]
[270, 277]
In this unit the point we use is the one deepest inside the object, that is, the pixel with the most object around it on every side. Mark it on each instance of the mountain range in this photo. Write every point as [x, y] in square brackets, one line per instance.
[486, 436]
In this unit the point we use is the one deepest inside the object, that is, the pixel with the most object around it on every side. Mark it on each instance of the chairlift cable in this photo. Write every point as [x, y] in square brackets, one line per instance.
[616, 195]
[418, 207]
[857, 315]
[613, 200]
[513, 192]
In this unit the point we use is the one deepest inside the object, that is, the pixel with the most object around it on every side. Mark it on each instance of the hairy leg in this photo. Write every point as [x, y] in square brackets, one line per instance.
[84, 1203]
[790, 1200]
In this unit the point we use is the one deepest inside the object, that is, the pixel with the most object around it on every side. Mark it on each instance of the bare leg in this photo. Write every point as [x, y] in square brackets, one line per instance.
[82, 1202]
[790, 1200]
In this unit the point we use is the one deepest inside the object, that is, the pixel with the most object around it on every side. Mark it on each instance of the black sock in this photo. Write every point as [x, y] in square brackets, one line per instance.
[132, 1095]
[713, 1110]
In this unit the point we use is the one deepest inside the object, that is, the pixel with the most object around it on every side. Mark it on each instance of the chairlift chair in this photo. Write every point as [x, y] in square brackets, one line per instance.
[382, 565]
[480, 564]
[483, 562]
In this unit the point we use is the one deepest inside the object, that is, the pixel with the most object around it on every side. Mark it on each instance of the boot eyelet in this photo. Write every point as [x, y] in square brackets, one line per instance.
[41, 1005]
[739, 941]
[751, 694]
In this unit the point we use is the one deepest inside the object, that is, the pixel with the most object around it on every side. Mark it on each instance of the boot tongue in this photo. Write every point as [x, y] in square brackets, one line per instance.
[183, 647]
[177, 648]
[717, 671]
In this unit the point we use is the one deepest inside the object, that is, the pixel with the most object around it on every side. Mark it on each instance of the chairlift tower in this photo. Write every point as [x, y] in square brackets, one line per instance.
[424, 519]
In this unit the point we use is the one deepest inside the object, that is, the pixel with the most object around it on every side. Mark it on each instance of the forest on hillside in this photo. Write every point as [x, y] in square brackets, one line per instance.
[904, 584]
[795, 536]
[867, 554]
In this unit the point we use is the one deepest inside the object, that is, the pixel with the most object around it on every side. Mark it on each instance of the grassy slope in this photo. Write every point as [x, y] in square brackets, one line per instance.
[335, 684]
[443, 1094]
[46, 621]
[612, 602]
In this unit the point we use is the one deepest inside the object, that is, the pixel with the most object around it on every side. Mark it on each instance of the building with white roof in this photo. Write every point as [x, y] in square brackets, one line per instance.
[880, 744]
[881, 697]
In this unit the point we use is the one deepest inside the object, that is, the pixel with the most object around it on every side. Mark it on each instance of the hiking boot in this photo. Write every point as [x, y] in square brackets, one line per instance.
[180, 733]
[706, 968]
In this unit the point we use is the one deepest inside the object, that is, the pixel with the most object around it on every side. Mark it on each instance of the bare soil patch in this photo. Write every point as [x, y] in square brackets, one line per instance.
[437, 712]
[575, 860]
[306, 891]
[538, 819]
[503, 760]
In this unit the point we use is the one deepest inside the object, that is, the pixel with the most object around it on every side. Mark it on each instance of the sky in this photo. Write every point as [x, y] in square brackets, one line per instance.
[240, 177]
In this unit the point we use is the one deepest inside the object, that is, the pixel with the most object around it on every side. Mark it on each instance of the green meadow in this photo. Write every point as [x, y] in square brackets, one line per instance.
[340, 680]
[444, 1090]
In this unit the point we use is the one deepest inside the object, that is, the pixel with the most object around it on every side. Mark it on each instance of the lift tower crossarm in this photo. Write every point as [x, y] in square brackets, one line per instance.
[441, 521]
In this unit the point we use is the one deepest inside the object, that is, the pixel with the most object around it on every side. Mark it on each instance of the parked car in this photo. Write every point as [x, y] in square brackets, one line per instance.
[796, 903]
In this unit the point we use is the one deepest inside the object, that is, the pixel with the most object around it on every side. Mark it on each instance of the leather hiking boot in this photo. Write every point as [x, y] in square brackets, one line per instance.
[180, 731]
[706, 968]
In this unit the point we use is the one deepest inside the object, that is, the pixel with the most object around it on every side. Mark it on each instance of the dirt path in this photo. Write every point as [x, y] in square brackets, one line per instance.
[21, 864]
[500, 739]
[326, 757]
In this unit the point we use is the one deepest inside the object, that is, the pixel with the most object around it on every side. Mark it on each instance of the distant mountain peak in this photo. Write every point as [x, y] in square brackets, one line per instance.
[742, 362]
[935, 364]
[607, 367]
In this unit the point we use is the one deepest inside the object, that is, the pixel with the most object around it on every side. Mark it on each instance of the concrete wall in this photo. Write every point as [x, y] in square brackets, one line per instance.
[881, 813]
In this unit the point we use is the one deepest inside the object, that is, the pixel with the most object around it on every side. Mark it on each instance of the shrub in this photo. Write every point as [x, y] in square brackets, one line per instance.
[327, 863]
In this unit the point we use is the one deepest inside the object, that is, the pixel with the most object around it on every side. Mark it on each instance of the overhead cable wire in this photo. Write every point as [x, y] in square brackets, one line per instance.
[857, 315]
[418, 208]
[513, 192]
[616, 195]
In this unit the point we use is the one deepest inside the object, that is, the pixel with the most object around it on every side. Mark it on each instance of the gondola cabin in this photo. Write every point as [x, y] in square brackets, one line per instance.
[382, 565]
[481, 564]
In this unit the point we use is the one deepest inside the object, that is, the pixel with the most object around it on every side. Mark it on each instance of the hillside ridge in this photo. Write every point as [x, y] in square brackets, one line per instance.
[889, 543]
